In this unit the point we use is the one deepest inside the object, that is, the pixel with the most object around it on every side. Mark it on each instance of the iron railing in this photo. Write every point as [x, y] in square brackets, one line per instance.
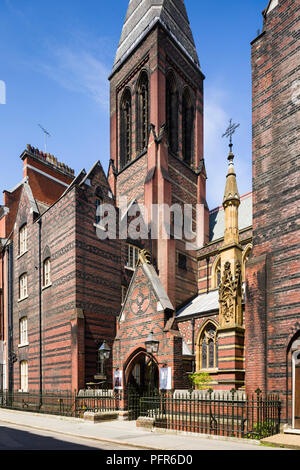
[97, 402]
[56, 403]
[221, 414]
[61, 404]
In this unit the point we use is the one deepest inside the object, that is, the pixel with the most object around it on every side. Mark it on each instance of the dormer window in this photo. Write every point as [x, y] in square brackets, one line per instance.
[23, 240]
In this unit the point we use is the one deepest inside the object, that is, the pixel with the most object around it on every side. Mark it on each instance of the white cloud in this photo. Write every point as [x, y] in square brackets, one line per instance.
[79, 71]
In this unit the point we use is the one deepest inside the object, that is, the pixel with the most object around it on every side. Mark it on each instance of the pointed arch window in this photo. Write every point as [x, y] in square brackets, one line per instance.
[207, 357]
[142, 112]
[125, 129]
[187, 127]
[172, 112]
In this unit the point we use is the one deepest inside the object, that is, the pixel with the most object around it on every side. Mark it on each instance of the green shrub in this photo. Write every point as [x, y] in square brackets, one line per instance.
[200, 380]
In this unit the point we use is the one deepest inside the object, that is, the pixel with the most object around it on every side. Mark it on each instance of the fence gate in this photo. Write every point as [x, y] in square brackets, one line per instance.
[134, 405]
[139, 405]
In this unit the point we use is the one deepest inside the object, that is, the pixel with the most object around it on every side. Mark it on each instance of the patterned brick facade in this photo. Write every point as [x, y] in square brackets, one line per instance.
[69, 319]
[272, 314]
[176, 294]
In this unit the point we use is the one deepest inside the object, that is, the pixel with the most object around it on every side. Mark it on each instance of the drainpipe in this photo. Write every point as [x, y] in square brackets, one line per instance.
[193, 343]
[40, 309]
[10, 317]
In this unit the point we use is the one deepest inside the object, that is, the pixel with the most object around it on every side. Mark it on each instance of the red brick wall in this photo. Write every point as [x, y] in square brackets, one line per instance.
[58, 301]
[86, 277]
[139, 317]
[179, 184]
[273, 289]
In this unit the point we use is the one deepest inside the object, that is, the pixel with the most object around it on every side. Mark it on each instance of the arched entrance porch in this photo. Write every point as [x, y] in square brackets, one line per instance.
[141, 373]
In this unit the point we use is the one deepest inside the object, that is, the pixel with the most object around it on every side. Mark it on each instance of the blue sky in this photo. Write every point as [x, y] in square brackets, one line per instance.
[55, 58]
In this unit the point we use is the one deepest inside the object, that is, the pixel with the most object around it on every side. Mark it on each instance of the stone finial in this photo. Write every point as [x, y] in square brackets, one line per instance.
[144, 257]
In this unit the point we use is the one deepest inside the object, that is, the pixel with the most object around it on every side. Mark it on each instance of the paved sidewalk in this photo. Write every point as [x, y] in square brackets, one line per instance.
[124, 432]
[288, 441]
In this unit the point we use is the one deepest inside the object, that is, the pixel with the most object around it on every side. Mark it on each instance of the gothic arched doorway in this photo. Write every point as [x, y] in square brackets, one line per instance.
[141, 373]
[296, 384]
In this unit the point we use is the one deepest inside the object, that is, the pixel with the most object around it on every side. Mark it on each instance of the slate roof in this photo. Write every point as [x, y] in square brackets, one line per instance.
[201, 304]
[141, 17]
[217, 220]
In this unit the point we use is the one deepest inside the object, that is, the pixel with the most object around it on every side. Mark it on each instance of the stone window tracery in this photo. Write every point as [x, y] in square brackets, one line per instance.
[142, 113]
[125, 129]
[207, 348]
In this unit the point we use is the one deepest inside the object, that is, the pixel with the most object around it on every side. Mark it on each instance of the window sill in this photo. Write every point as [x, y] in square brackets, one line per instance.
[129, 268]
[46, 287]
[24, 298]
[23, 345]
[22, 254]
[23, 391]
[209, 371]
[100, 227]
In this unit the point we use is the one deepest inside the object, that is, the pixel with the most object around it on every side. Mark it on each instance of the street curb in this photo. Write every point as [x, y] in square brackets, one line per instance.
[108, 441]
[281, 445]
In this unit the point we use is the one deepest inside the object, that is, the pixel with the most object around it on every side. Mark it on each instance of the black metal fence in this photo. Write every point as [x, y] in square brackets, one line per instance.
[56, 403]
[61, 404]
[97, 402]
[220, 414]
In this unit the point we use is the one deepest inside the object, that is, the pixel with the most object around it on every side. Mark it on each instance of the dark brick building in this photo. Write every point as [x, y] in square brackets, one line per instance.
[273, 288]
[58, 306]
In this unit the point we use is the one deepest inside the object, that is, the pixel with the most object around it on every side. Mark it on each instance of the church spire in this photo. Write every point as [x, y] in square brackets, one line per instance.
[143, 15]
[231, 200]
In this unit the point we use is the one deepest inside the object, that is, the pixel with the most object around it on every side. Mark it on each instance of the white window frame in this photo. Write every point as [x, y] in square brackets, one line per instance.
[133, 253]
[23, 325]
[99, 203]
[23, 245]
[24, 376]
[47, 273]
[23, 286]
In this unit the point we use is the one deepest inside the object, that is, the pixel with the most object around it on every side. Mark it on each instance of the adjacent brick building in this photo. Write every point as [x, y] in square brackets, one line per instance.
[63, 284]
[273, 288]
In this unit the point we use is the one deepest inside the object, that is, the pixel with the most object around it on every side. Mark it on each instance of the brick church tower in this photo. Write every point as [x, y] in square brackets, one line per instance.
[273, 288]
[156, 113]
